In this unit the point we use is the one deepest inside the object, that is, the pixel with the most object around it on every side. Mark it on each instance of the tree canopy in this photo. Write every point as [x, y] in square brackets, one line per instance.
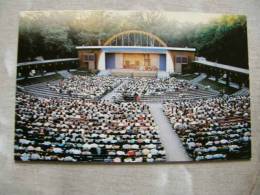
[56, 34]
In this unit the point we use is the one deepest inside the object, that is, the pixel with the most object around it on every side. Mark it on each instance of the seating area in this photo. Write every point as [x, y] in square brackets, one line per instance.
[43, 90]
[88, 87]
[77, 119]
[56, 129]
[96, 87]
[214, 128]
[180, 95]
[152, 86]
[162, 89]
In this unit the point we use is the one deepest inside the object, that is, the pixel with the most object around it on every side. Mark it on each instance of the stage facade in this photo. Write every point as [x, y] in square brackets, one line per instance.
[137, 51]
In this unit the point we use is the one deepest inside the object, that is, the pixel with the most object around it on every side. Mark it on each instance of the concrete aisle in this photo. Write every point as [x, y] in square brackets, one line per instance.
[170, 140]
[199, 78]
[113, 92]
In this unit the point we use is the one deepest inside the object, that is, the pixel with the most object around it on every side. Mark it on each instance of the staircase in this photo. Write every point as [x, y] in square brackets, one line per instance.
[133, 73]
[242, 92]
[42, 90]
[163, 75]
[148, 74]
[104, 73]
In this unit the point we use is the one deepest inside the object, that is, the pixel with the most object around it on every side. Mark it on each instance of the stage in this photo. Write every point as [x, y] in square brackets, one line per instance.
[133, 73]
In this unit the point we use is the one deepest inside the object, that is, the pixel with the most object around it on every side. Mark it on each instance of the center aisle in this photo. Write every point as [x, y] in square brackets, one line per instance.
[112, 93]
[170, 140]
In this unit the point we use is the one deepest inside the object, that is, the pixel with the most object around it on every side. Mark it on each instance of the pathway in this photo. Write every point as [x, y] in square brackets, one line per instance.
[170, 140]
[199, 78]
[243, 91]
[65, 74]
[113, 93]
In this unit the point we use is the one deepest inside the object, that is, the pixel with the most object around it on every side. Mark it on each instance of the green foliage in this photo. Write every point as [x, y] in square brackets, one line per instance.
[56, 34]
[226, 41]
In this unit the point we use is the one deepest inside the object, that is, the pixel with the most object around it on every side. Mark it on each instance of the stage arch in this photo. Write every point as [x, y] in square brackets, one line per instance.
[135, 38]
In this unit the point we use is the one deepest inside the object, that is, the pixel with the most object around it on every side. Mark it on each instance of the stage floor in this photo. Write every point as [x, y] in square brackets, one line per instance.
[131, 70]
[133, 73]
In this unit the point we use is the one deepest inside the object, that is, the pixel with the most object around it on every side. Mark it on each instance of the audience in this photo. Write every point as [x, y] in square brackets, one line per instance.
[80, 130]
[149, 86]
[215, 128]
[90, 87]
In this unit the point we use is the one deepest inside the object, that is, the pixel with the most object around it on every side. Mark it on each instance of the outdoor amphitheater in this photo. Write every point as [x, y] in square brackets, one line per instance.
[137, 102]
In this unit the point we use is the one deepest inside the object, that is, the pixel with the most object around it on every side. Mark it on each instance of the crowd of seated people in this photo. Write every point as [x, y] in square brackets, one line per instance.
[150, 86]
[211, 129]
[55, 129]
[90, 87]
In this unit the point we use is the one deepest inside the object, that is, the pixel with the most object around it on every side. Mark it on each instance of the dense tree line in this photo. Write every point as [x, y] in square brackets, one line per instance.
[55, 34]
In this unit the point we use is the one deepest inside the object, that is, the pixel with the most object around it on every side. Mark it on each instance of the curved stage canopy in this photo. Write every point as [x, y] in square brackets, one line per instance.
[135, 38]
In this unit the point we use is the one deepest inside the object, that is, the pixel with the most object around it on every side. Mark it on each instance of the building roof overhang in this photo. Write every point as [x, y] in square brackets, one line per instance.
[46, 61]
[136, 48]
[222, 66]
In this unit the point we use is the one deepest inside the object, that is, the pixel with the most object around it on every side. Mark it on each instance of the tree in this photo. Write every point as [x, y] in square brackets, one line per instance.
[56, 34]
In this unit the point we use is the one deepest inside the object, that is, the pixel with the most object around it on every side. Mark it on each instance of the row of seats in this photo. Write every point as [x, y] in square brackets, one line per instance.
[81, 130]
[162, 89]
[179, 95]
[87, 87]
[214, 128]
[43, 90]
[155, 90]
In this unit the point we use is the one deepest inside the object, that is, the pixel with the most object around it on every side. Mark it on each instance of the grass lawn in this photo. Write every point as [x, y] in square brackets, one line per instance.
[31, 81]
[218, 86]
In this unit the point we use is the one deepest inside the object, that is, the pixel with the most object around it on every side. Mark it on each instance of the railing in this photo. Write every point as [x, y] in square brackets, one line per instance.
[43, 67]
[203, 61]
